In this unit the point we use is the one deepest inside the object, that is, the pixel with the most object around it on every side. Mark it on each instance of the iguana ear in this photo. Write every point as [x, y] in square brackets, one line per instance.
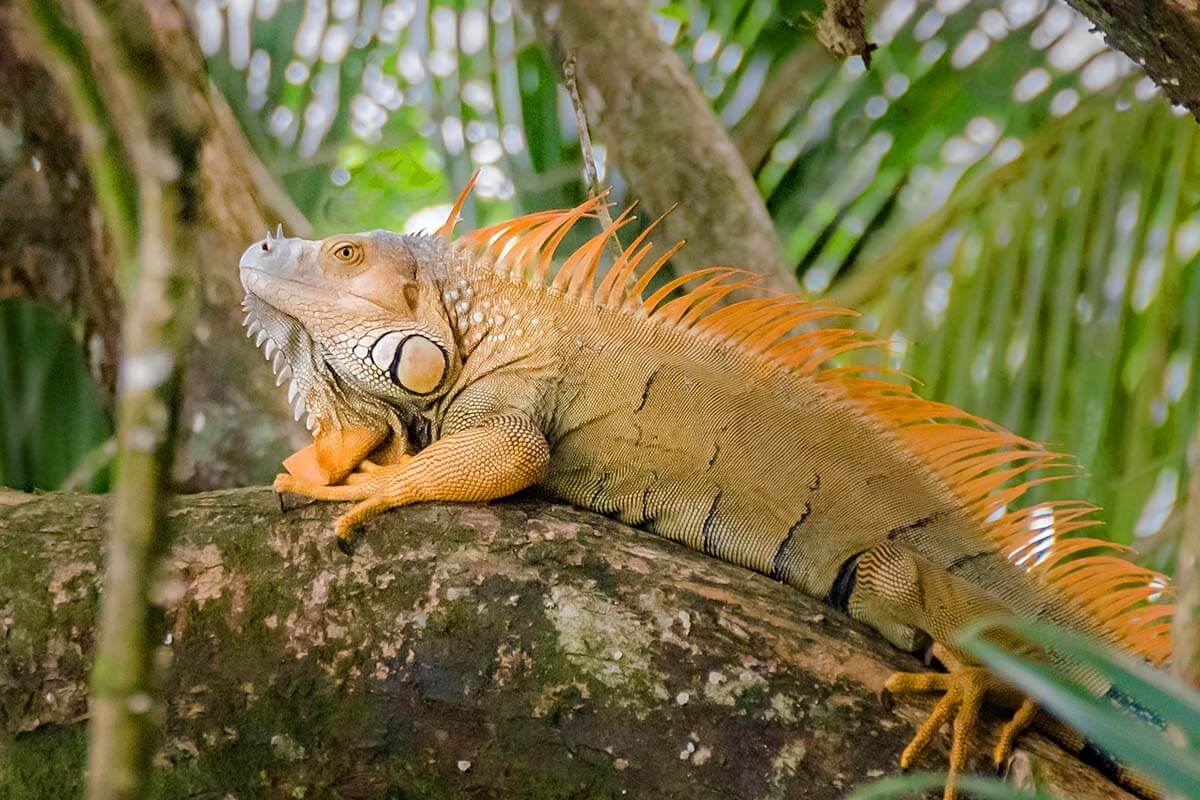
[334, 454]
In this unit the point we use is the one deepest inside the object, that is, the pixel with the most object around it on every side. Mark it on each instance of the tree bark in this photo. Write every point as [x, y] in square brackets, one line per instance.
[1163, 36]
[523, 649]
[57, 251]
[663, 135]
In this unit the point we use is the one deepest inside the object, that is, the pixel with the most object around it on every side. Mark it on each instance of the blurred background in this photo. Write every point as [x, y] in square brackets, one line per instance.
[1007, 200]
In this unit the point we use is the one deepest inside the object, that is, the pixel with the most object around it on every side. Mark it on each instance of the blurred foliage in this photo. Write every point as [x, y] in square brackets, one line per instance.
[1013, 208]
[51, 416]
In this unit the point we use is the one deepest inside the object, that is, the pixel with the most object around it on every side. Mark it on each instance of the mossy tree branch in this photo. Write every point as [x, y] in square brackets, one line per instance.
[518, 649]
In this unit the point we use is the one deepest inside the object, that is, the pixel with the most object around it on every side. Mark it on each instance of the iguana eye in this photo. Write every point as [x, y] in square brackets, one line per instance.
[344, 254]
[414, 362]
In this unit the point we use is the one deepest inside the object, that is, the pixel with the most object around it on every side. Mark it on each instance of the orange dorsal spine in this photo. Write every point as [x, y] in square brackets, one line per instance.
[447, 228]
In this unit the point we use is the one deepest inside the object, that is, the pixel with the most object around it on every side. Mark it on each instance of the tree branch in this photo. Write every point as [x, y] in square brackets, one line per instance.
[662, 134]
[1163, 36]
[514, 649]
[1186, 655]
[585, 148]
[842, 30]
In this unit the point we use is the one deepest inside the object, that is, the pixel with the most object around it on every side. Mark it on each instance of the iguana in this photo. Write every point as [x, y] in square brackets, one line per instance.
[470, 369]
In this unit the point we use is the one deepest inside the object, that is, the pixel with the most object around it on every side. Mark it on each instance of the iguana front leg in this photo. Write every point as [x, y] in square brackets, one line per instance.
[499, 456]
[335, 452]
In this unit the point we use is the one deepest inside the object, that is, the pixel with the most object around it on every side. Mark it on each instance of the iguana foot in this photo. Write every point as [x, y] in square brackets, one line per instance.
[285, 483]
[965, 690]
[371, 501]
[1021, 720]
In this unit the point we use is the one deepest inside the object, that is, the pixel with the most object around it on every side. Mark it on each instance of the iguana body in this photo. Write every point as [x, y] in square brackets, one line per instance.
[469, 370]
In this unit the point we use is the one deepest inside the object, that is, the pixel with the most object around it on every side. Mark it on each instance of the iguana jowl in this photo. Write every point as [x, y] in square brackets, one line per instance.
[468, 370]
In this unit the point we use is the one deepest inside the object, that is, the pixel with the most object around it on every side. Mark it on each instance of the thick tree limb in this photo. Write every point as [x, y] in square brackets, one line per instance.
[510, 650]
[662, 134]
[1163, 36]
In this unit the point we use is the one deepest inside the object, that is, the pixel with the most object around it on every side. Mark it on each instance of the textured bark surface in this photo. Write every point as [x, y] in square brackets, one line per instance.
[662, 134]
[524, 649]
[842, 29]
[1163, 36]
[56, 250]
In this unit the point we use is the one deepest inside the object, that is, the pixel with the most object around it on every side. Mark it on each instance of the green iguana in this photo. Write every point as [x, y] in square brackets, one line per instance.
[468, 370]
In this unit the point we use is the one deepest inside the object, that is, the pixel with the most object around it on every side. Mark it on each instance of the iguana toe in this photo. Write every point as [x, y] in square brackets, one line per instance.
[290, 501]
[346, 545]
[965, 690]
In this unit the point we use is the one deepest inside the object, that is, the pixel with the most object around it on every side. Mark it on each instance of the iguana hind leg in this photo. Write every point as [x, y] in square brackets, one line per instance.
[498, 457]
[897, 591]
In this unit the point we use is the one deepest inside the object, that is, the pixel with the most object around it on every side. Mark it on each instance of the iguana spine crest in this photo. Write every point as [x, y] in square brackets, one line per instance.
[987, 467]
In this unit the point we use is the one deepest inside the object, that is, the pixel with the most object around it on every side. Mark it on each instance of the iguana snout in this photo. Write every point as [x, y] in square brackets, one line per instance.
[282, 271]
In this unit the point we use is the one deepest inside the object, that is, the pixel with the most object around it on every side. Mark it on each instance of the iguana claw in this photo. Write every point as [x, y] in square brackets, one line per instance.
[964, 693]
[290, 501]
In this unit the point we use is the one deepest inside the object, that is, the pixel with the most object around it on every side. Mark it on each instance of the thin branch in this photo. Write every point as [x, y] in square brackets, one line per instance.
[114, 54]
[842, 30]
[585, 146]
[1186, 658]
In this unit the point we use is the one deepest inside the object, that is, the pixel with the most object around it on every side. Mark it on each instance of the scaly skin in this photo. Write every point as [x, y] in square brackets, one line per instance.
[453, 380]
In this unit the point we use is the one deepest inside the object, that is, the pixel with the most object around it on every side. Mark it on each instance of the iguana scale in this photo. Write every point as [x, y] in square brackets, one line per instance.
[470, 369]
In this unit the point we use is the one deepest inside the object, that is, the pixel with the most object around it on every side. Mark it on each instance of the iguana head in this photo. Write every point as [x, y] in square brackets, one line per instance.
[355, 318]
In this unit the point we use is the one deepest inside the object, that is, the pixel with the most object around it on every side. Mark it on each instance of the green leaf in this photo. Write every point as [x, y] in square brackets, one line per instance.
[918, 784]
[1159, 692]
[1136, 743]
[50, 410]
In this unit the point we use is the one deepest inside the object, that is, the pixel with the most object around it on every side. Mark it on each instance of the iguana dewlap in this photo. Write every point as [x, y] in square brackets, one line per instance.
[468, 370]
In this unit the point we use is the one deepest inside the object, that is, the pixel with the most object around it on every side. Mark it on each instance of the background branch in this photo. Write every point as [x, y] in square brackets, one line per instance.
[1186, 656]
[1163, 36]
[663, 136]
[585, 148]
[237, 422]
